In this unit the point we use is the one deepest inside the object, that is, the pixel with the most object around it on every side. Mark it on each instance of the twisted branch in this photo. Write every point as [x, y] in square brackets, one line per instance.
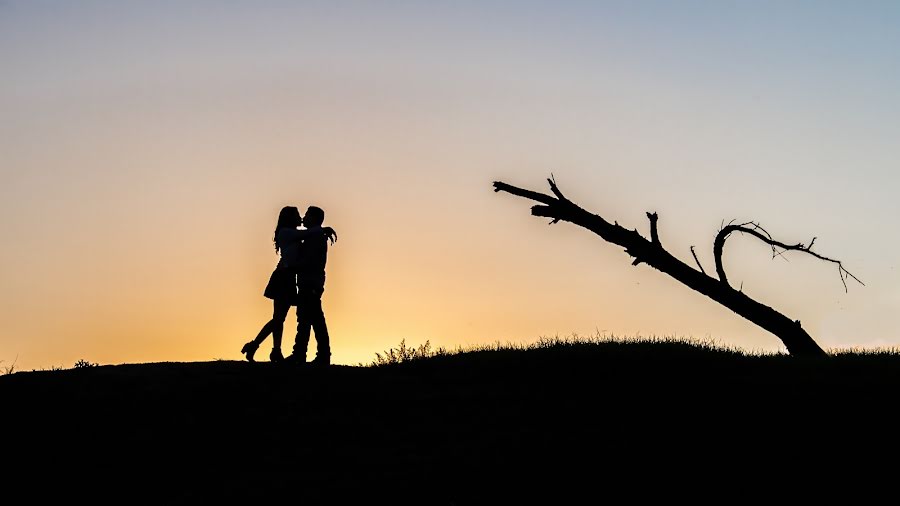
[756, 230]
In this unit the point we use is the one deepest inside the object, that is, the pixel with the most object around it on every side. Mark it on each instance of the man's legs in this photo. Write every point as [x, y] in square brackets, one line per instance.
[323, 342]
[301, 342]
[311, 317]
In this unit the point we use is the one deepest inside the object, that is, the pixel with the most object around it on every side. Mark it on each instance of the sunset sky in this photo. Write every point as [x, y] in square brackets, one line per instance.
[147, 147]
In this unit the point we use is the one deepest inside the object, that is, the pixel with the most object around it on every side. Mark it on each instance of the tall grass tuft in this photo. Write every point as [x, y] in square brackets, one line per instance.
[8, 369]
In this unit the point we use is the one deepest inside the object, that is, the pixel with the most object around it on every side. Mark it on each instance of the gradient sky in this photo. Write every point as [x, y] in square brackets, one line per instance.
[146, 148]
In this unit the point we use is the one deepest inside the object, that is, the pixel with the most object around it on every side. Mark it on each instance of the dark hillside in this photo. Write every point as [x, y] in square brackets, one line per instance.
[567, 419]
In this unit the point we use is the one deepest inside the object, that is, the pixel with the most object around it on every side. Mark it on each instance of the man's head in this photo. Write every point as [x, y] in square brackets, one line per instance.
[314, 217]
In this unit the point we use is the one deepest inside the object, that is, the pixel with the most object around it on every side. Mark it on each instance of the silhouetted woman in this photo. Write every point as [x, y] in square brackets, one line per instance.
[282, 286]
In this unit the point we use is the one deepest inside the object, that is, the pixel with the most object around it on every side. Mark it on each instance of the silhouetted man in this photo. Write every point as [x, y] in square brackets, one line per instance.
[310, 286]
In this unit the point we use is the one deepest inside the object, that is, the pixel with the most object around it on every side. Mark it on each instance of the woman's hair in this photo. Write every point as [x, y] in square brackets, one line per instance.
[289, 217]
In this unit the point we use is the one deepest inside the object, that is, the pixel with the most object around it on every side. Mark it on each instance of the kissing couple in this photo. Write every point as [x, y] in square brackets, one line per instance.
[298, 280]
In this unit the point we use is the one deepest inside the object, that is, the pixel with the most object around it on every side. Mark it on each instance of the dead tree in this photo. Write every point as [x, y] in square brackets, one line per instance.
[651, 252]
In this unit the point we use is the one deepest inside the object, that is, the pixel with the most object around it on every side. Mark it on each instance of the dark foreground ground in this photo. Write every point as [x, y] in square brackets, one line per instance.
[553, 425]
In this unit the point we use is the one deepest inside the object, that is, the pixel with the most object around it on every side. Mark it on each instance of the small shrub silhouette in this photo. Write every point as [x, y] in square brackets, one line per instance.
[404, 353]
[84, 364]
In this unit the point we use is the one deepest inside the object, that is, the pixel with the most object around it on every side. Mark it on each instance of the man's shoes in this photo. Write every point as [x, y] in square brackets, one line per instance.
[295, 360]
[321, 361]
[249, 349]
[276, 355]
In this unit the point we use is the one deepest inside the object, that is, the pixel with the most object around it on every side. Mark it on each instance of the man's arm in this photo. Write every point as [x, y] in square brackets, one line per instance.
[296, 235]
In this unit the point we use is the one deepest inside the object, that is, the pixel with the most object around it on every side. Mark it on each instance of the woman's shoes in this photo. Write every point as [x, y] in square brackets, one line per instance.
[249, 349]
[276, 355]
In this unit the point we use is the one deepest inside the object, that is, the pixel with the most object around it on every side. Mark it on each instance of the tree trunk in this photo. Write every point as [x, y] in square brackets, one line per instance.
[651, 252]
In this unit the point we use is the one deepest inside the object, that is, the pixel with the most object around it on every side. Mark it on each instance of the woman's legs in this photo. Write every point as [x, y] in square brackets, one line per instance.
[275, 326]
[279, 314]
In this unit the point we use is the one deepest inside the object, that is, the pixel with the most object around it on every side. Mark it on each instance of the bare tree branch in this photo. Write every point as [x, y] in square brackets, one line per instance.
[528, 194]
[652, 253]
[697, 260]
[654, 233]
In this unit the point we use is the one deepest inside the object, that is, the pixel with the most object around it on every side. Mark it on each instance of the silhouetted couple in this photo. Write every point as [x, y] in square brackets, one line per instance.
[298, 280]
